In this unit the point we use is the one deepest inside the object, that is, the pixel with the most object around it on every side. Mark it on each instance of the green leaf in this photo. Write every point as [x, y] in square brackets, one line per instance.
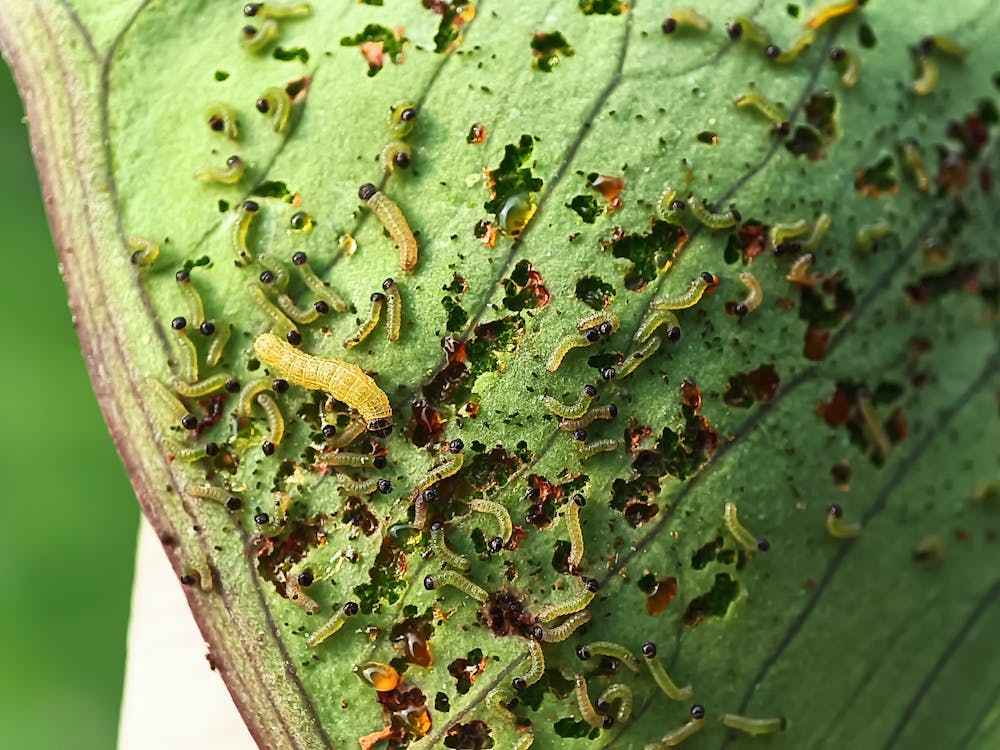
[871, 384]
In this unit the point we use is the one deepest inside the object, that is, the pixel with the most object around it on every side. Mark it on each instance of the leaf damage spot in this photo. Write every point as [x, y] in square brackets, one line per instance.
[714, 603]
[594, 292]
[525, 289]
[454, 17]
[513, 187]
[745, 388]
[547, 48]
[649, 254]
[375, 43]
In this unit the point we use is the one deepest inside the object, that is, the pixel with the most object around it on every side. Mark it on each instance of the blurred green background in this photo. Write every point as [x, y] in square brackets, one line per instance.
[67, 559]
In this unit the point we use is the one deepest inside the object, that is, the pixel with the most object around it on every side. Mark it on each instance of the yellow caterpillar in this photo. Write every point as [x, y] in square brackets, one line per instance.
[344, 381]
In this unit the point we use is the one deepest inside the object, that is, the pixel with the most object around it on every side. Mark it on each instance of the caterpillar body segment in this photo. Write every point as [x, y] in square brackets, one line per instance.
[217, 347]
[837, 527]
[832, 11]
[255, 38]
[608, 322]
[779, 233]
[620, 692]
[222, 119]
[393, 309]
[229, 175]
[245, 215]
[799, 45]
[278, 319]
[332, 625]
[443, 553]
[849, 65]
[713, 219]
[499, 512]
[575, 532]
[744, 27]
[705, 283]
[344, 381]
[605, 411]
[611, 649]
[572, 411]
[347, 435]
[206, 491]
[448, 468]
[744, 538]
[276, 102]
[755, 295]
[364, 486]
[144, 252]
[587, 710]
[460, 582]
[589, 450]
[394, 223]
[754, 727]
[402, 118]
[275, 422]
[248, 394]
[800, 274]
[368, 324]
[299, 314]
[202, 387]
[275, 274]
[295, 592]
[536, 667]
[572, 341]
[819, 230]
[395, 154]
[685, 18]
[187, 354]
[637, 356]
[317, 286]
[276, 10]
[667, 685]
[773, 111]
[652, 321]
[676, 736]
[168, 400]
[565, 629]
[572, 605]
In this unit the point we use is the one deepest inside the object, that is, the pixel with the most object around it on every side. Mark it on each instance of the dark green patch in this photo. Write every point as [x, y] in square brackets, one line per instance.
[587, 207]
[877, 179]
[204, 260]
[594, 292]
[601, 7]
[820, 110]
[292, 53]
[571, 728]
[866, 36]
[708, 138]
[793, 10]
[512, 177]
[223, 206]
[806, 141]
[454, 16]
[379, 3]
[272, 189]
[548, 48]
[525, 289]
[706, 554]
[457, 316]
[715, 603]
[373, 32]
[386, 580]
[221, 75]
[650, 254]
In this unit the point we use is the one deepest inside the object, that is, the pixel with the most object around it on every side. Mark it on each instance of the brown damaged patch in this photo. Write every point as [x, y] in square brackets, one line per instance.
[466, 669]
[745, 388]
[277, 554]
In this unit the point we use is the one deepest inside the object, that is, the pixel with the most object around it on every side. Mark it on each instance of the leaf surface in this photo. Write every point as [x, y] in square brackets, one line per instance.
[873, 386]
